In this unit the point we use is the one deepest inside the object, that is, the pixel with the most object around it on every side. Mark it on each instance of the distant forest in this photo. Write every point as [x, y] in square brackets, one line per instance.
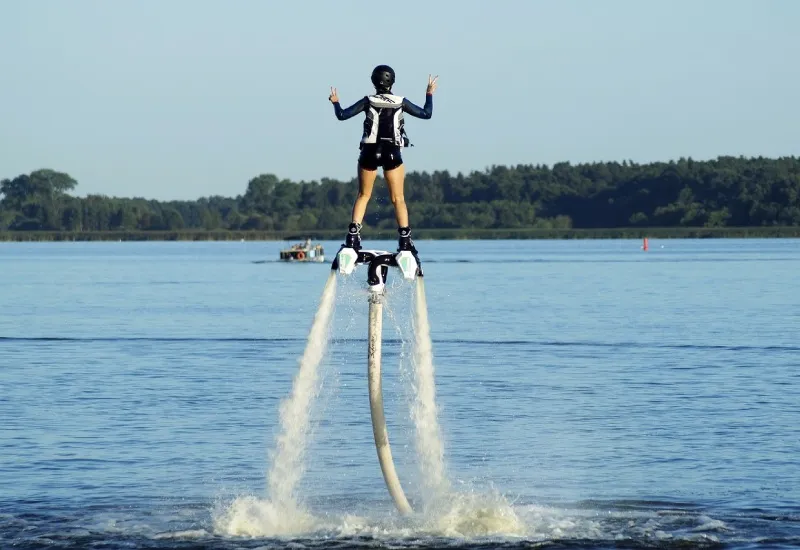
[725, 192]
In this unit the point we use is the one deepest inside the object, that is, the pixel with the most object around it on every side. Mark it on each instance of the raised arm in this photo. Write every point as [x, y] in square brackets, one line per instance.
[351, 111]
[417, 111]
[426, 111]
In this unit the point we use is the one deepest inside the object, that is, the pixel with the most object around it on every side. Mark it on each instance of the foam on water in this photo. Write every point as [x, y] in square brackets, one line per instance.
[466, 517]
[473, 518]
[475, 515]
[251, 516]
[471, 522]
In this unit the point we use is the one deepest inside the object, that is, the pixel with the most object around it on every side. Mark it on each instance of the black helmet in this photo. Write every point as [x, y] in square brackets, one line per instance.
[383, 77]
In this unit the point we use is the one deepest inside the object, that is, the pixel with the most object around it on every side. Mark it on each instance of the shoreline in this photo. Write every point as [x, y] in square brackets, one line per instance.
[419, 234]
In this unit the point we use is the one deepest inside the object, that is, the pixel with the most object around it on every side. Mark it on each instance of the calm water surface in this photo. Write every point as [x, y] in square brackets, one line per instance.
[615, 397]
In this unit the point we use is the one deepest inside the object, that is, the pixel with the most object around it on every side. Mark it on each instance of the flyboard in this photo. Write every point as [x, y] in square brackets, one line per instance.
[379, 262]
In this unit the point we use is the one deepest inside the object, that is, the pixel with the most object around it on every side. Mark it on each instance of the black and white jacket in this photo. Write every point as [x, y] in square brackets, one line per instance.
[384, 116]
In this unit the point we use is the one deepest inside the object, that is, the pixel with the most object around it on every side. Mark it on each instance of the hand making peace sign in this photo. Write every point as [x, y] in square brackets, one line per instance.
[432, 84]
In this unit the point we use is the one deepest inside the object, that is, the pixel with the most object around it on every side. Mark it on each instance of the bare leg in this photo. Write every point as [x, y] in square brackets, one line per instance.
[366, 180]
[395, 179]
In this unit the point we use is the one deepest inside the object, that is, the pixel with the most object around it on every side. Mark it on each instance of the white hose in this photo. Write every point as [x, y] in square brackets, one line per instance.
[376, 406]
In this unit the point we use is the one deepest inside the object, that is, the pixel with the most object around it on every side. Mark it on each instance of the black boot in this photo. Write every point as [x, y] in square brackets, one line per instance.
[405, 242]
[353, 239]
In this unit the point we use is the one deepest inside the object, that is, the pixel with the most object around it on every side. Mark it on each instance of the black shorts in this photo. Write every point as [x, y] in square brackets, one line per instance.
[384, 155]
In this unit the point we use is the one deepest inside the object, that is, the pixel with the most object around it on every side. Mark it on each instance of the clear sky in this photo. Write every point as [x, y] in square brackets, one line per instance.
[178, 99]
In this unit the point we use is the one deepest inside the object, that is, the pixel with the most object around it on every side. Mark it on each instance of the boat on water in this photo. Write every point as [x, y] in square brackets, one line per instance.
[303, 252]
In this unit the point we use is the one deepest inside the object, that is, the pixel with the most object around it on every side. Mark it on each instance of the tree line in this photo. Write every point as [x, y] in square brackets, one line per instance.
[718, 193]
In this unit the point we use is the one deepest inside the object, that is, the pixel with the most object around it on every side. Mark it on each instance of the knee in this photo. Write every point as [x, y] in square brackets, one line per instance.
[363, 195]
[397, 199]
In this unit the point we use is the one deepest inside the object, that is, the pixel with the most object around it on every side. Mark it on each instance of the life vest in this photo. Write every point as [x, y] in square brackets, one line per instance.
[384, 121]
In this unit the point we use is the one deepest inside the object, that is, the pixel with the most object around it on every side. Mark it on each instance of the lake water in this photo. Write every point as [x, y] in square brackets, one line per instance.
[589, 395]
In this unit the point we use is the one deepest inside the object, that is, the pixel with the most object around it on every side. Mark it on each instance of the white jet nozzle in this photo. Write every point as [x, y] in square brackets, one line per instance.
[407, 264]
[347, 260]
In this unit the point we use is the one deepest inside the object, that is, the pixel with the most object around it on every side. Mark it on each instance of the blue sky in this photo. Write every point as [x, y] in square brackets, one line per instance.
[178, 99]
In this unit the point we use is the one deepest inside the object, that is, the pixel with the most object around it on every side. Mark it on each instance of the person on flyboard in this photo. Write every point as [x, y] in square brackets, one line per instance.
[383, 138]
